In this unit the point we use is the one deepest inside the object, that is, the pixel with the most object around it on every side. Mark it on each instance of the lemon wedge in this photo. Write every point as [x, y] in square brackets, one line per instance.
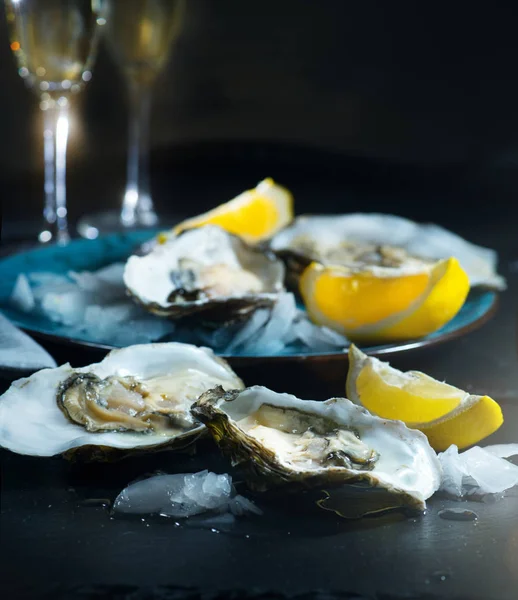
[380, 304]
[446, 414]
[254, 215]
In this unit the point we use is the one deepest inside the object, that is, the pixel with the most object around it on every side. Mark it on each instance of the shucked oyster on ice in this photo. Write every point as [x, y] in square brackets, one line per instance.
[379, 240]
[137, 397]
[207, 271]
[280, 440]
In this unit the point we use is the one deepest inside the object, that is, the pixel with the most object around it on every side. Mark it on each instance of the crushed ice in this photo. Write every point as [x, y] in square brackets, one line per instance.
[93, 306]
[478, 472]
[184, 495]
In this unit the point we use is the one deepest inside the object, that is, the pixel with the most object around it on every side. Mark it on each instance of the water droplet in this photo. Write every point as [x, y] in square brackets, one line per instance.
[441, 575]
[457, 514]
[96, 502]
[492, 498]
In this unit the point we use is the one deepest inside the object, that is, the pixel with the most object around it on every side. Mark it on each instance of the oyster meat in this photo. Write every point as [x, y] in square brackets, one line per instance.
[204, 270]
[360, 240]
[282, 441]
[137, 397]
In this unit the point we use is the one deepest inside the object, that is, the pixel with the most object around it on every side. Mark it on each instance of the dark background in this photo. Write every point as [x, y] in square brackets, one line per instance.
[403, 107]
[355, 105]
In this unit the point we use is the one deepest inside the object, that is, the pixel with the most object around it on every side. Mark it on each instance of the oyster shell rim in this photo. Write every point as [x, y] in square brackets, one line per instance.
[265, 474]
[76, 437]
[490, 280]
[218, 309]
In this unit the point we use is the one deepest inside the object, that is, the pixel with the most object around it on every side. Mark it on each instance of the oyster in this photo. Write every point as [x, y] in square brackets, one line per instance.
[376, 240]
[136, 398]
[282, 441]
[204, 270]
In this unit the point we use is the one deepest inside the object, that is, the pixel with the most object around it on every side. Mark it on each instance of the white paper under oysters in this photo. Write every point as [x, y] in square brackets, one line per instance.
[423, 240]
[19, 352]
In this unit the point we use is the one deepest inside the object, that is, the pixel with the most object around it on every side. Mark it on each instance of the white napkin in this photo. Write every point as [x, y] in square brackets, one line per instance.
[20, 353]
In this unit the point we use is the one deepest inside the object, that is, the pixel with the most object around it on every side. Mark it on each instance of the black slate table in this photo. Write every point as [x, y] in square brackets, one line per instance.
[58, 541]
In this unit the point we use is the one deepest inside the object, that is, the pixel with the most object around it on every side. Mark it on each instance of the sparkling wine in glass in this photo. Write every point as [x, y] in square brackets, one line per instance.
[54, 43]
[139, 35]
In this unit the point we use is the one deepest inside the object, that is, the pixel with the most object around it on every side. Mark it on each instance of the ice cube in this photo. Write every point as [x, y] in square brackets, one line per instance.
[183, 495]
[43, 278]
[146, 328]
[477, 471]
[503, 450]
[112, 274]
[22, 297]
[217, 339]
[85, 280]
[316, 338]
[67, 307]
[452, 471]
[217, 484]
[492, 474]
[250, 328]
[239, 505]
[105, 285]
[208, 490]
[149, 496]
[270, 339]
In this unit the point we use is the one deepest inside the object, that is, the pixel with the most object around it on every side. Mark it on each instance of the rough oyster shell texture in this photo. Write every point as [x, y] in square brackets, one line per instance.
[358, 239]
[207, 272]
[41, 415]
[283, 442]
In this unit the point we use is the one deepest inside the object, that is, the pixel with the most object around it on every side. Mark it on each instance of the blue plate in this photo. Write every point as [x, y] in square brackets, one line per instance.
[89, 255]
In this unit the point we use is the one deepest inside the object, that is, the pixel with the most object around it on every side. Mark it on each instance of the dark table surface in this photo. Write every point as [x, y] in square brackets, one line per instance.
[54, 544]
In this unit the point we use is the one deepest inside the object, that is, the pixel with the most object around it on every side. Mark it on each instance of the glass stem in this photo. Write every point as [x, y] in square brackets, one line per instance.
[55, 136]
[137, 206]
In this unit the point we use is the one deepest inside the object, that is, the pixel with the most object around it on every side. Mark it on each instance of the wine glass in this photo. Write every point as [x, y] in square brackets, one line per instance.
[54, 43]
[139, 35]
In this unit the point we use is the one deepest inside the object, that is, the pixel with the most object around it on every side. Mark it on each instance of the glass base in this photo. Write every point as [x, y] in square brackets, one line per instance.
[93, 225]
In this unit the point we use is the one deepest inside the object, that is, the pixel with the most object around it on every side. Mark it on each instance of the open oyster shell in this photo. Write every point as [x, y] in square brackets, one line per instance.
[206, 271]
[136, 398]
[282, 441]
[370, 240]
